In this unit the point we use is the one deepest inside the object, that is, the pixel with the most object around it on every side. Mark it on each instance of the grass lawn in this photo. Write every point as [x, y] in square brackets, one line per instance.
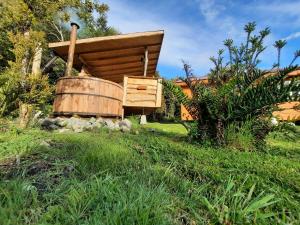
[154, 177]
[175, 128]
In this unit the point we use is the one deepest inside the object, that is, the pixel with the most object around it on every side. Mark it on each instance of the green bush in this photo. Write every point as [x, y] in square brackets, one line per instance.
[240, 137]
[234, 204]
[237, 90]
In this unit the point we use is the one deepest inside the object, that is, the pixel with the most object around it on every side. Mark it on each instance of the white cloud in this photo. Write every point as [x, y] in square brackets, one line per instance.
[195, 39]
[293, 36]
[279, 13]
[193, 43]
[181, 41]
[210, 9]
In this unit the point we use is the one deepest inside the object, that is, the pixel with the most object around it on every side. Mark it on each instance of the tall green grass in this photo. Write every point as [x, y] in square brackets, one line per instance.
[149, 178]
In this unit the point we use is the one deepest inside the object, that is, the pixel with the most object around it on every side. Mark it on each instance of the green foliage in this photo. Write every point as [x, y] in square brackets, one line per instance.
[25, 27]
[237, 205]
[169, 110]
[240, 137]
[150, 178]
[237, 90]
[94, 20]
[6, 54]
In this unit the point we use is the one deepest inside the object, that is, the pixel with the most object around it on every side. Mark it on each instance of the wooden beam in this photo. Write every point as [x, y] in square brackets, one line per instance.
[121, 66]
[121, 60]
[122, 71]
[146, 61]
[122, 51]
[109, 38]
[133, 73]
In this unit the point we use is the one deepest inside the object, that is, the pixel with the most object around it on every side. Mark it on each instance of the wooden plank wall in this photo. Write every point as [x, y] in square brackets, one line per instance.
[288, 111]
[142, 92]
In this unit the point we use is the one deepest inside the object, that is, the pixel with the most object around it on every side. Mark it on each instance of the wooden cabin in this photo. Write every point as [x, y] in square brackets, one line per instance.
[184, 114]
[288, 111]
[117, 75]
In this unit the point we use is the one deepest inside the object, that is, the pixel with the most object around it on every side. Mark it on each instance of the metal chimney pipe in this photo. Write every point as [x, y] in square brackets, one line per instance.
[73, 36]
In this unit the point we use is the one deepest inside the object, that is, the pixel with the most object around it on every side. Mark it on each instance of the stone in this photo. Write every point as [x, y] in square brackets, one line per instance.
[78, 125]
[92, 120]
[53, 127]
[89, 127]
[63, 130]
[62, 122]
[125, 129]
[78, 130]
[292, 124]
[98, 125]
[110, 124]
[100, 120]
[125, 123]
[143, 120]
[45, 123]
[274, 121]
[36, 116]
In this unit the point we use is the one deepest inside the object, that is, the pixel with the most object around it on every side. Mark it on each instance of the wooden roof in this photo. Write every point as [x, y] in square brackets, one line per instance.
[112, 57]
[295, 73]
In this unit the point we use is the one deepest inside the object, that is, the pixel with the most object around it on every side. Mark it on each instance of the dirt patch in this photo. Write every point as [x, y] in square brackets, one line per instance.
[41, 171]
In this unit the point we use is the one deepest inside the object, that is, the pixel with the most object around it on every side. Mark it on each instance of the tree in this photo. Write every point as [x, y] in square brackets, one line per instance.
[279, 45]
[237, 91]
[94, 20]
[26, 26]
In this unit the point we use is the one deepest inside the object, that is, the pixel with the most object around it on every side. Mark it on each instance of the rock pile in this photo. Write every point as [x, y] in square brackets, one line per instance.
[82, 124]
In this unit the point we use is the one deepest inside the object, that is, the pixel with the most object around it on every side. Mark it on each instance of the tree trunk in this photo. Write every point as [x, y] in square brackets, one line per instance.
[36, 64]
[25, 114]
[220, 132]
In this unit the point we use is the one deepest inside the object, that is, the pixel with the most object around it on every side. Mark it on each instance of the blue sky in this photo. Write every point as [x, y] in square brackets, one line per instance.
[195, 29]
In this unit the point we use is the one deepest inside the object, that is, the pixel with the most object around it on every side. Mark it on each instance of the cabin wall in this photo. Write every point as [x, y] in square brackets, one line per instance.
[142, 92]
[184, 113]
[289, 111]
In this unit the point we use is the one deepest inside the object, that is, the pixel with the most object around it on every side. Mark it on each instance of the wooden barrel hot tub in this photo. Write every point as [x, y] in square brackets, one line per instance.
[88, 96]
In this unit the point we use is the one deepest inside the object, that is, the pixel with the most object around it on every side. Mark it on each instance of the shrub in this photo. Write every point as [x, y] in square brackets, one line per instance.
[237, 205]
[237, 91]
[240, 137]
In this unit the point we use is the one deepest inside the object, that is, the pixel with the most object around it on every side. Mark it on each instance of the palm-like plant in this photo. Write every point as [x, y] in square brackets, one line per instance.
[296, 55]
[228, 43]
[236, 92]
[279, 45]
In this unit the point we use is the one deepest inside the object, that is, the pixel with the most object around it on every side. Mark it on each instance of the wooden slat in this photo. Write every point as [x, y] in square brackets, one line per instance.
[142, 97]
[125, 90]
[120, 53]
[159, 93]
[120, 66]
[121, 60]
[138, 37]
[135, 91]
[122, 72]
[118, 79]
[134, 86]
[142, 81]
[138, 104]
